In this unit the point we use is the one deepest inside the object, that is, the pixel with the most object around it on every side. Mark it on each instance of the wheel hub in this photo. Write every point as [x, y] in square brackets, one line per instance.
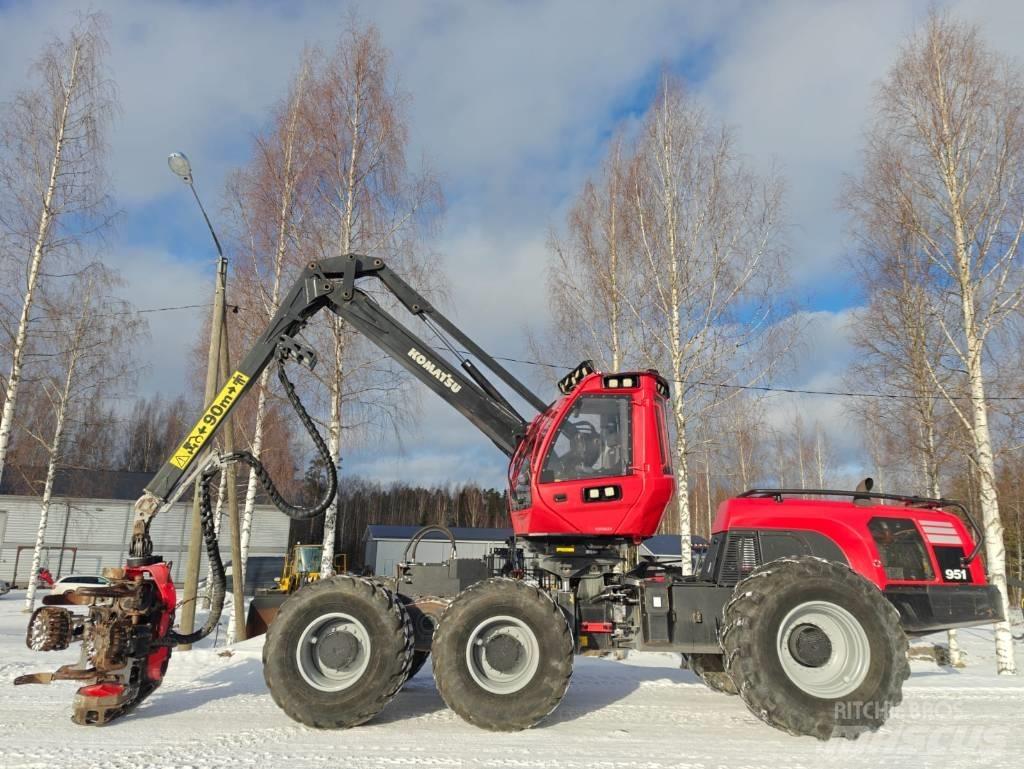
[823, 649]
[810, 646]
[333, 651]
[338, 650]
[503, 652]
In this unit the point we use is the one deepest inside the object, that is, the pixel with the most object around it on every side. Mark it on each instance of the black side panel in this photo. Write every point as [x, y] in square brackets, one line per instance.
[657, 612]
[444, 580]
[733, 555]
[710, 561]
[682, 617]
[778, 544]
[941, 607]
[697, 617]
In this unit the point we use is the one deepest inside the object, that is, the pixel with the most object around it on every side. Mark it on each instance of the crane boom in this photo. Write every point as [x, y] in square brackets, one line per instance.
[331, 284]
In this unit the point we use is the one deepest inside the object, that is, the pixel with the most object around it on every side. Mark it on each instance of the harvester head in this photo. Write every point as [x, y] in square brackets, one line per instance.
[124, 637]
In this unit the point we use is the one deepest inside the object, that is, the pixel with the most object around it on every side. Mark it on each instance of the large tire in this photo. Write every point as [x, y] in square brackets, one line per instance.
[503, 655]
[815, 648]
[710, 668]
[338, 651]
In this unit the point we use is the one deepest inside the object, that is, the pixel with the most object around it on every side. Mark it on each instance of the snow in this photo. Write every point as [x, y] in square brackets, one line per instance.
[214, 711]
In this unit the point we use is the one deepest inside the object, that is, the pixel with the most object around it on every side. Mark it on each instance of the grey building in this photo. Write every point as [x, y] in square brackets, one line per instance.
[668, 546]
[383, 546]
[99, 527]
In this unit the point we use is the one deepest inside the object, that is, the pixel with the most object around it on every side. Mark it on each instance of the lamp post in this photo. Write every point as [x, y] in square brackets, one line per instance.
[216, 363]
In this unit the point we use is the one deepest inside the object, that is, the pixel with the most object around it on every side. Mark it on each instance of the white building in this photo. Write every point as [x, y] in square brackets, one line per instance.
[99, 529]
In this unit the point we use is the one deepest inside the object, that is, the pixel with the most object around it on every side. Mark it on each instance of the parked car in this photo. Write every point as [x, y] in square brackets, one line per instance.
[75, 581]
[5, 587]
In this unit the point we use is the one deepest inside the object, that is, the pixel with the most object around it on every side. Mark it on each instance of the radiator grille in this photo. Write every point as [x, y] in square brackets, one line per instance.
[742, 556]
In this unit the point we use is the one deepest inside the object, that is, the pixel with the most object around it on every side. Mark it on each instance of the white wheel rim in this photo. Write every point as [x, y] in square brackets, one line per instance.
[318, 667]
[519, 670]
[850, 653]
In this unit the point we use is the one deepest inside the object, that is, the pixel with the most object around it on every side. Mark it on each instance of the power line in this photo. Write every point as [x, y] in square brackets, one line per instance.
[773, 388]
[168, 309]
[688, 383]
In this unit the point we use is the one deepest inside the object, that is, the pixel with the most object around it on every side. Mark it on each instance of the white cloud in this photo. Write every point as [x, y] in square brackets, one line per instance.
[155, 279]
[511, 104]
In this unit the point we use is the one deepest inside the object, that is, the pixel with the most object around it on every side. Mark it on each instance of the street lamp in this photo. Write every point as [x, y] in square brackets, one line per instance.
[217, 362]
[180, 165]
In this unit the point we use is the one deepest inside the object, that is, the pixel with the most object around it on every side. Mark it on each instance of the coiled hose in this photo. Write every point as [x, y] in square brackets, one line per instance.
[296, 512]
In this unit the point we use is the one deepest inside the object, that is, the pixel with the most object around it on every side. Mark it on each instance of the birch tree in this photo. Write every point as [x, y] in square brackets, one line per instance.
[267, 205]
[53, 189]
[744, 440]
[89, 341]
[708, 230]
[366, 199]
[945, 163]
[900, 349]
[592, 271]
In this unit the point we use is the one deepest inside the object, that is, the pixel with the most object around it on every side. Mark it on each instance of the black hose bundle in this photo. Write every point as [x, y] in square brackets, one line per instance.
[216, 574]
[296, 512]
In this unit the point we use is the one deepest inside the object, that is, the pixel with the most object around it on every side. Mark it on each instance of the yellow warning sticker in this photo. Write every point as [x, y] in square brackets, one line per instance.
[207, 424]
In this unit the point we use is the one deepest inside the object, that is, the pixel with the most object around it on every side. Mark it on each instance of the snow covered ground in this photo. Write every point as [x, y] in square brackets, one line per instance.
[214, 711]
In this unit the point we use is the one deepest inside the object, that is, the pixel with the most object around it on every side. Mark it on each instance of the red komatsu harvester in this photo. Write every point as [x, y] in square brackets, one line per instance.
[801, 605]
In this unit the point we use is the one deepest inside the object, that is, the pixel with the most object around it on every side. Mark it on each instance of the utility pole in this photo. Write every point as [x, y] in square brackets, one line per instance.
[188, 609]
[216, 362]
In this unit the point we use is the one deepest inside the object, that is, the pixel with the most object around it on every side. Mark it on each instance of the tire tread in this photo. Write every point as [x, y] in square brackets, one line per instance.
[398, 621]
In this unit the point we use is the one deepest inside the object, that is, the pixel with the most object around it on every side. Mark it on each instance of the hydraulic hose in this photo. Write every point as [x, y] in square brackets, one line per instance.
[216, 575]
[296, 512]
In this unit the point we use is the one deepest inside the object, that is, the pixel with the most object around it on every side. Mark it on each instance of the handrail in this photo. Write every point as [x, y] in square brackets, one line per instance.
[910, 501]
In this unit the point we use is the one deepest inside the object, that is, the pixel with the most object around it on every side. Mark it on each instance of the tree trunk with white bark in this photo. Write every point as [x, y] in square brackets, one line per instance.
[47, 214]
[944, 172]
[44, 505]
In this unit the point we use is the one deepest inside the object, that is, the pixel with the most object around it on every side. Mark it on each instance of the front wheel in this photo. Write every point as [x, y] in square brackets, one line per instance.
[338, 651]
[815, 648]
[502, 655]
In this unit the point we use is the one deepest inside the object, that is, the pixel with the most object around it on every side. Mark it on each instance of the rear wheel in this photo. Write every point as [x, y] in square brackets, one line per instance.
[338, 651]
[502, 655]
[815, 648]
[710, 669]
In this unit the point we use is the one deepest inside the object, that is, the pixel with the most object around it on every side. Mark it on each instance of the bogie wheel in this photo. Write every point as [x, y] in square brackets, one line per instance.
[815, 648]
[710, 668]
[503, 655]
[338, 651]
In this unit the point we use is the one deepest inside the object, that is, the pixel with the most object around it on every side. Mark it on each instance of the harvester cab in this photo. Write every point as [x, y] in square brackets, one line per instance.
[597, 462]
[802, 606]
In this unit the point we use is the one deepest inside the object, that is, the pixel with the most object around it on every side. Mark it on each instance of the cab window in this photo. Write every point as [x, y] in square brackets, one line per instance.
[520, 498]
[663, 444]
[901, 549]
[594, 440]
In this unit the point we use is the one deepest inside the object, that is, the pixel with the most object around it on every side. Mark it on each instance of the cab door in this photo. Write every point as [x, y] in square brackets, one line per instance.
[587, 477]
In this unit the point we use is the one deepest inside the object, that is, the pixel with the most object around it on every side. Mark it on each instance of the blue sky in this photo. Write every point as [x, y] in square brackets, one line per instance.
[512, 104]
